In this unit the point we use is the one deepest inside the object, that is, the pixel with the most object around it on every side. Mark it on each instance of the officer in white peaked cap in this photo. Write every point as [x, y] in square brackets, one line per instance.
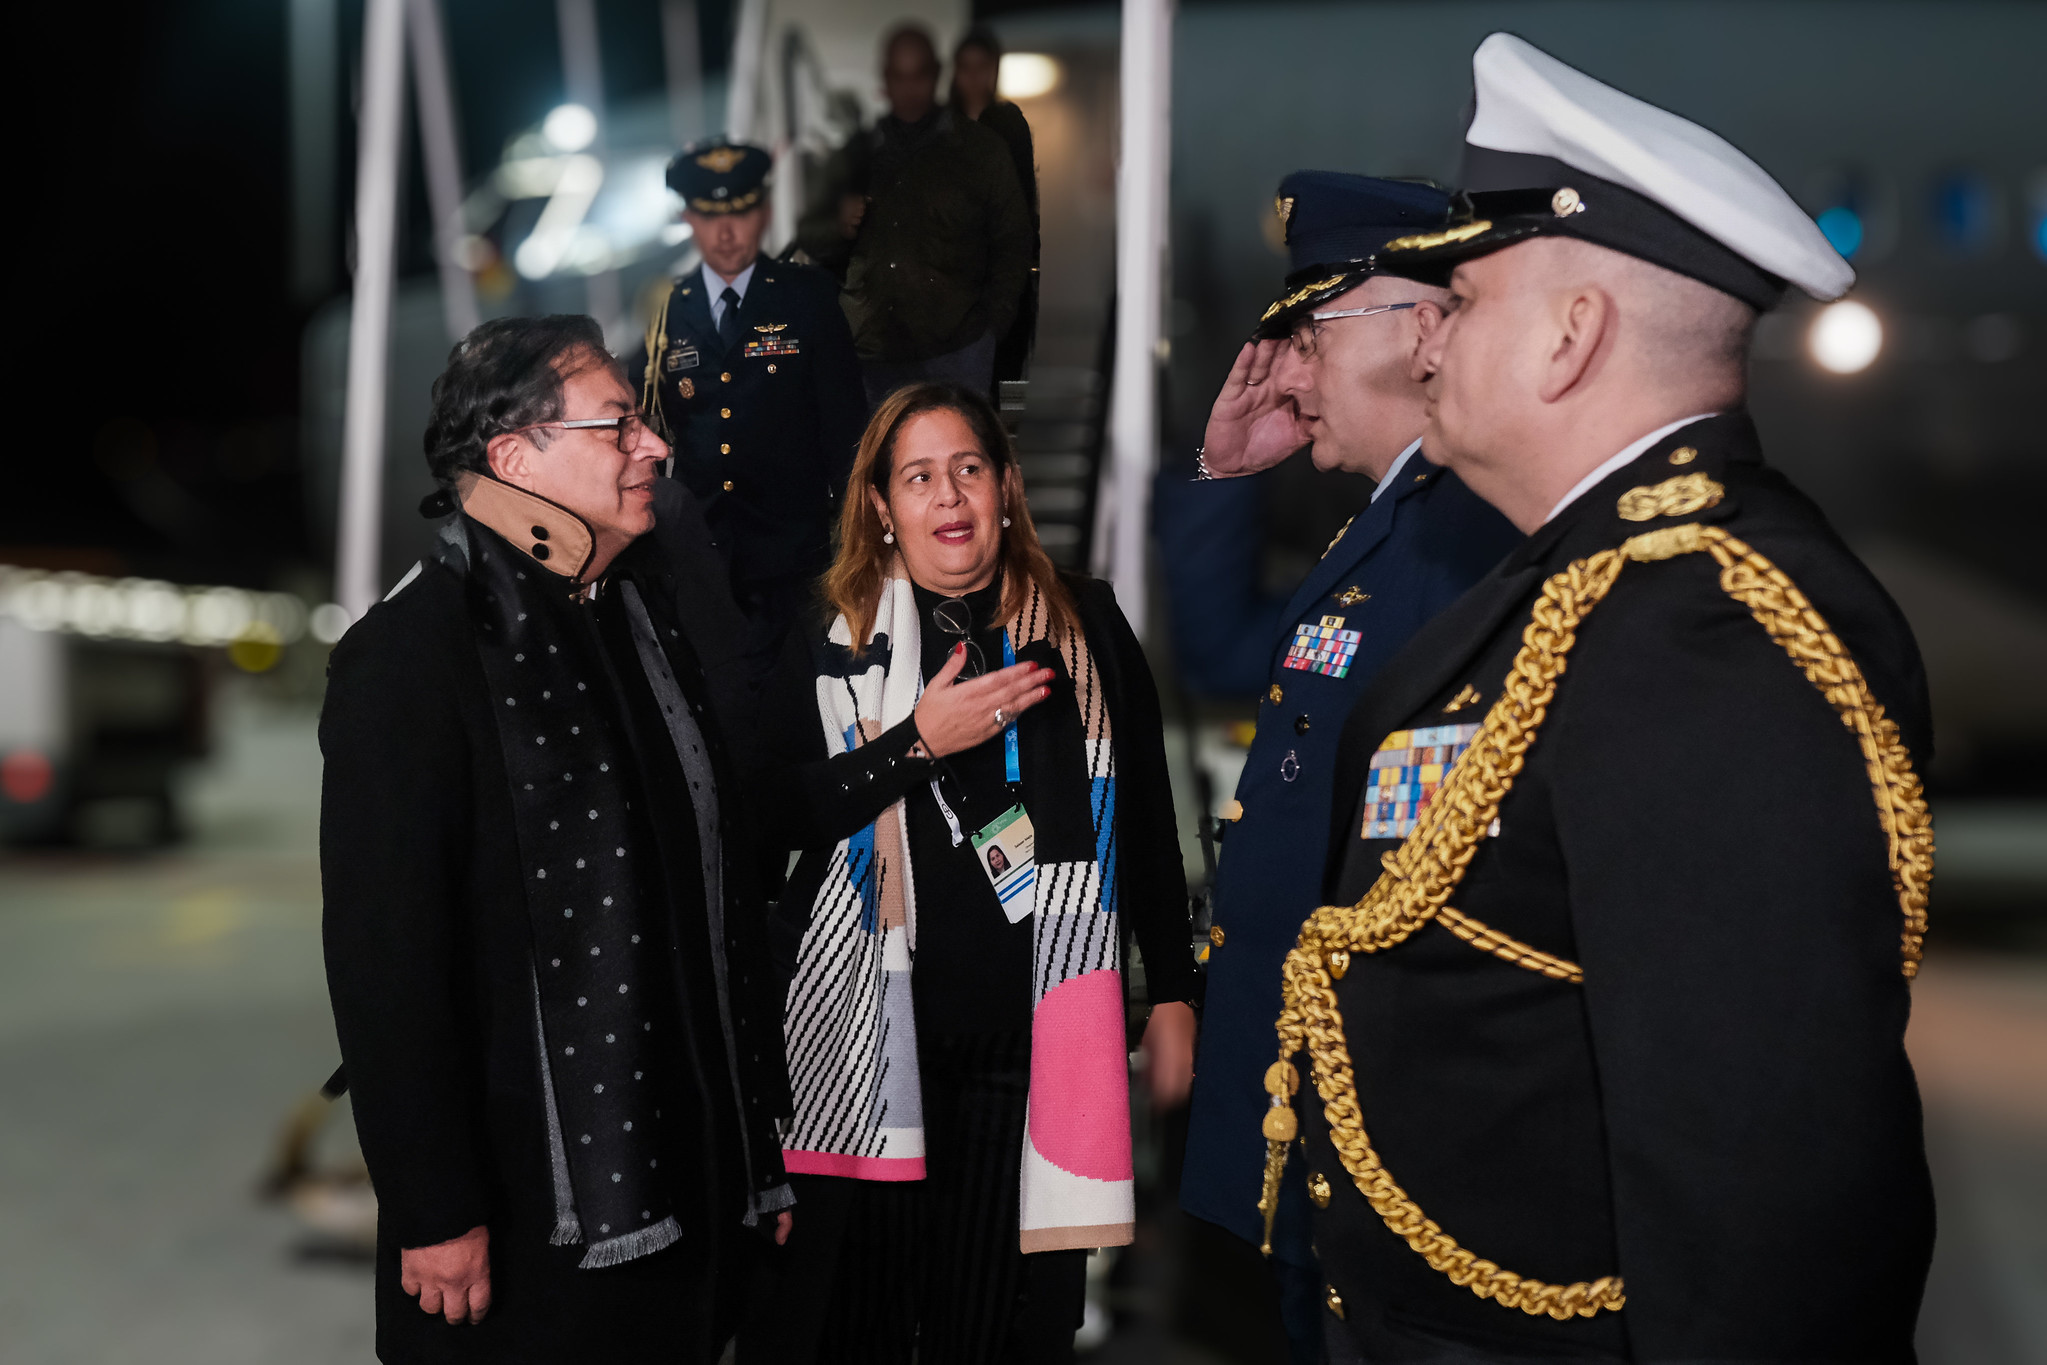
[1597, 1051]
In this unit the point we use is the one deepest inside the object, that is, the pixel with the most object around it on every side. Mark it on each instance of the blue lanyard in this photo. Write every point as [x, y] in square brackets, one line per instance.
[1011, 768]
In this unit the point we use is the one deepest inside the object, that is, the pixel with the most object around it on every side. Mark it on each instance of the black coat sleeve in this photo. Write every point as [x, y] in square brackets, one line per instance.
[1152, 880]
[394, 842]
[817, 800]
[1734, 916]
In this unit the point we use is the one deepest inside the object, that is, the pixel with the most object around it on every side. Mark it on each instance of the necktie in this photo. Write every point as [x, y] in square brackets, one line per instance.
[728, 324]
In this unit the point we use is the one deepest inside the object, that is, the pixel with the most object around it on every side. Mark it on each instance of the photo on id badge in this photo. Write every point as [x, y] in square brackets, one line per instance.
[1007, 849]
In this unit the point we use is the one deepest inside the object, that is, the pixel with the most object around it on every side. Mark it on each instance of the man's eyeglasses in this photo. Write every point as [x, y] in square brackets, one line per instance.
[1310, 327]
[956, 621]
[630, 428]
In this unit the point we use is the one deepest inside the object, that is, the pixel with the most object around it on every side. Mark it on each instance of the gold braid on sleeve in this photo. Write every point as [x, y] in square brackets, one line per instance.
[1421, 874]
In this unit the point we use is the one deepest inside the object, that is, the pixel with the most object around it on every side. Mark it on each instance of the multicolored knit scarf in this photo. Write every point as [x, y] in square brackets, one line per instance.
[849, 1019]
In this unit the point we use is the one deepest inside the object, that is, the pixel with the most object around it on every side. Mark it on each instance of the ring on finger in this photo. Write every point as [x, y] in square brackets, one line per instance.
[998, 718]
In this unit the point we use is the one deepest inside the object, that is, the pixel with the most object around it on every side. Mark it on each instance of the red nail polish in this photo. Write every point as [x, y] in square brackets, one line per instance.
[959, 649]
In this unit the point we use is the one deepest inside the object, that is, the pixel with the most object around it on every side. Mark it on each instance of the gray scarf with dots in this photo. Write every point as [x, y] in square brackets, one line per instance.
[597, 963]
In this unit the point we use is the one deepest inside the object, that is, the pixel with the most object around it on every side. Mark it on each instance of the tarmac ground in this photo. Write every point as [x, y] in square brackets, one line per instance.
[162, 1013]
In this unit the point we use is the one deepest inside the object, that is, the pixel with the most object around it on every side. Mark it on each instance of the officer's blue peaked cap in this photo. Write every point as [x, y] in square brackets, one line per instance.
[1333, 223]
[717, 175]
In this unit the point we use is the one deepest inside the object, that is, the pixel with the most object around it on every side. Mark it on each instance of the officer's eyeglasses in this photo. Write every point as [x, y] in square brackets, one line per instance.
[1310, 327]
[955, 620]
[630, 428]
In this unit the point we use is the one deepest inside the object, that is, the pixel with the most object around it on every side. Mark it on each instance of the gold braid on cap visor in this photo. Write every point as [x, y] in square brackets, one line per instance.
[1422, 873]
[1303, 292]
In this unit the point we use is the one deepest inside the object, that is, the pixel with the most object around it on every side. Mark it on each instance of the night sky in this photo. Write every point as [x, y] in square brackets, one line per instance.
[162, 263]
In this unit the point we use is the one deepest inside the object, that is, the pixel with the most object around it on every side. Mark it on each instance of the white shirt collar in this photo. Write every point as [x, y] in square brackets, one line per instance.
[715, 286]
[1625, 455]
[1393, 470]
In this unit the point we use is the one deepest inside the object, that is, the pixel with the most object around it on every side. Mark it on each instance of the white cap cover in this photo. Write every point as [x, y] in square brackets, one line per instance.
[1532, 104]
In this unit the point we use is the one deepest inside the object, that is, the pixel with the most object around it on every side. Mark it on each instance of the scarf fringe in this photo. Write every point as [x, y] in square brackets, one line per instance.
[645, 1242]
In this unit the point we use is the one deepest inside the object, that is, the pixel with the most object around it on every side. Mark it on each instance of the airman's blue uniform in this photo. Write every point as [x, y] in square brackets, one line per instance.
[1422, 541]
[763, 420]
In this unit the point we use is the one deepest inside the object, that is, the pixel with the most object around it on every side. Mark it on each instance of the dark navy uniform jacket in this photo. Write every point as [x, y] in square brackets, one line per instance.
[763, 436]
[1709, 1097]
[1398, 562]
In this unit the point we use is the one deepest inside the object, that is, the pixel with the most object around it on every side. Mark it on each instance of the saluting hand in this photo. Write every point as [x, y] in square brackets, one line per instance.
[1253, 425]
[951, 718]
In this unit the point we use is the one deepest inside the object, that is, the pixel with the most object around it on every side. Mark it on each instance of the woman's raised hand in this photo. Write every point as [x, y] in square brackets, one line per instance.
[954, 717]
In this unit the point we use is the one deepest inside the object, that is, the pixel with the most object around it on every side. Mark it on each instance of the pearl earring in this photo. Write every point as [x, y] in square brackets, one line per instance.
[1005, 521]
[888, 538]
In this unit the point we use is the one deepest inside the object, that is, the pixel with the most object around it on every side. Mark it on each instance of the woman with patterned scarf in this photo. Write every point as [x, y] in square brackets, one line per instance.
[955, 1020]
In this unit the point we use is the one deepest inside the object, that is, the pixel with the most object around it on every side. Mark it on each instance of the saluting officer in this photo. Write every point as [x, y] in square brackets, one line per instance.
[1331, 364]
[1601, 1042]
[749, 371]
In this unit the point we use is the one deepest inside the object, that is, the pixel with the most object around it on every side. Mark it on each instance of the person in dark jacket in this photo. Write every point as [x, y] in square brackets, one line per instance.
[748, 371]
[1596, 1049]
[940, 231]
[542, 907]
[956, 1019]
[976, 93]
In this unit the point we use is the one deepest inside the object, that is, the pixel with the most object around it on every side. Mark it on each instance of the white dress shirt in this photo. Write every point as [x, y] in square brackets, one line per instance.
[715, 287]
[1393, 470]
[1629, 452]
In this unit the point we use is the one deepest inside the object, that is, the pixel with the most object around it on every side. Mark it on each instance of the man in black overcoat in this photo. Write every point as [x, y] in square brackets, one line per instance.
[1598, 1050]
[748, 371]
[541, 902]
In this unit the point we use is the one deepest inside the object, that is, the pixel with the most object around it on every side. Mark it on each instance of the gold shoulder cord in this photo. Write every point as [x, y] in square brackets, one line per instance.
[1421, 874]
[650, 382]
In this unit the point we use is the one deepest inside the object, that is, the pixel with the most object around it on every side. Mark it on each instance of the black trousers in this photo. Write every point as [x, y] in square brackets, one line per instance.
[876, 1271]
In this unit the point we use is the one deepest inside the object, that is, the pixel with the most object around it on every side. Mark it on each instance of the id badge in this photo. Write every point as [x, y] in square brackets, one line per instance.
[1007, 849]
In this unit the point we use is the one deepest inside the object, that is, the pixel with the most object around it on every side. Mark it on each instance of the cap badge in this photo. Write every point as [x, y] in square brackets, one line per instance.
[1423, 241]
[1678, 497]
[721, 160]
[1566, 202]
[1283, 205]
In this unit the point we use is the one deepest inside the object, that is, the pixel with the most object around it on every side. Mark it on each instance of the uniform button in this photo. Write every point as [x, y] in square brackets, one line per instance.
[1215, 934]
[724, 412]
[771, 369]
[728, 485]
[1275, 694]
[725, 378]
[1318, 1189]
[724, 450]
[1334, 1300]
[1301, 724]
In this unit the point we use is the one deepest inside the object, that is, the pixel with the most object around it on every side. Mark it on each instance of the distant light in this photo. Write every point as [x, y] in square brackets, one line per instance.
[26, 776]
[1026, 75]
[1843, 227]
[329, 622]
[257, 649]
[1845, 337]
[144, 609]
[1966, 211]
[570, 127]
[675, 234]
